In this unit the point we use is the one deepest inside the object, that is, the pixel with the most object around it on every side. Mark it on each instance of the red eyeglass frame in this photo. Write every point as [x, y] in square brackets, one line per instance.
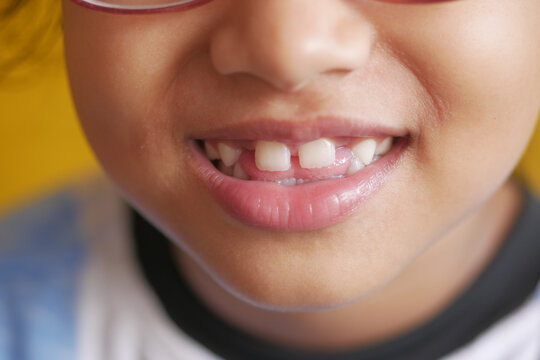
[165, 8]
[196, 3]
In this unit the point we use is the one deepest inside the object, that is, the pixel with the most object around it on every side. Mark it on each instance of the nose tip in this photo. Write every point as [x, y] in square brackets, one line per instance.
[287, 43]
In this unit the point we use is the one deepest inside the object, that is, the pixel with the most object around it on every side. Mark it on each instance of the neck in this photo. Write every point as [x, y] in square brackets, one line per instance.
[426, 287]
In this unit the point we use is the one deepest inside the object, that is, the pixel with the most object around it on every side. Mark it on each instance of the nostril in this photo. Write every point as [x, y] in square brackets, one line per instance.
[288, 44]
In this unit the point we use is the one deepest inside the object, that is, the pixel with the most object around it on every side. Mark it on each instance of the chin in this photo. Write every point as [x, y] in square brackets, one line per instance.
[271, 282]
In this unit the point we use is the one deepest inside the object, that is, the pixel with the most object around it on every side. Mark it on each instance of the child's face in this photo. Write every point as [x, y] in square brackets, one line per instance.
[460, 80]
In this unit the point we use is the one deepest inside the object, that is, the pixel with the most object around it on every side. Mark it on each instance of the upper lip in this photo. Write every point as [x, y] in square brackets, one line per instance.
[285, 130]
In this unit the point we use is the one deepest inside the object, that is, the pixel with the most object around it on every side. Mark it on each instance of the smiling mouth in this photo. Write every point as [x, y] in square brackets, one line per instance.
[296, 177]
[295, 164]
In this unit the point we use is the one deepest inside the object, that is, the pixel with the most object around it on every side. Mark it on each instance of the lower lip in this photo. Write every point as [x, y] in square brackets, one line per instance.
[303, 207]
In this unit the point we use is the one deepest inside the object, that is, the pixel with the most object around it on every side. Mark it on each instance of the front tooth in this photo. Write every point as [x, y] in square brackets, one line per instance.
[211, 152]
[384, 146]
[238, 172]
[317, 154]
[356, 165]
[228, 154]
[272, 156]
[365, 150]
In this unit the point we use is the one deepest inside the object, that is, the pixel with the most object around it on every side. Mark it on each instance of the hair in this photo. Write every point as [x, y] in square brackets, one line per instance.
[11, 7]
[30, 31]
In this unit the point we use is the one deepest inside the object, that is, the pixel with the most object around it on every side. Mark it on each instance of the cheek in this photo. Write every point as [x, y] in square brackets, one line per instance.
[120, 73]
[122, 70]
[479, 61]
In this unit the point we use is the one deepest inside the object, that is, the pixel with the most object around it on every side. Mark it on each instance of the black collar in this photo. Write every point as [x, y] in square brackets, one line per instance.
[503, 286]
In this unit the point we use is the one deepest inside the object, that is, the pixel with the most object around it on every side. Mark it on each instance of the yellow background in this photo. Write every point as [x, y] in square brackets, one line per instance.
[41, 144]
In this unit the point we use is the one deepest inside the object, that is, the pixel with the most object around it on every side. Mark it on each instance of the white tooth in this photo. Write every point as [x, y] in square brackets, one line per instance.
[239, 172]
[356, 165]
[287, 182]
[364, 150]
[229, 155]
[272, 156]
[211, 152]
[227, 170]
[317, 154]
[384, 146]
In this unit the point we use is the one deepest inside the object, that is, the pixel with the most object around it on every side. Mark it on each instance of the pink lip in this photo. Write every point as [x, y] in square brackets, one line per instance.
[288, 131]
[303, 207]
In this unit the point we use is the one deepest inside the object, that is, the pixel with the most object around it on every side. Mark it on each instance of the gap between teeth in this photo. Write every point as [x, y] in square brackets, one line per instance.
[276, 156]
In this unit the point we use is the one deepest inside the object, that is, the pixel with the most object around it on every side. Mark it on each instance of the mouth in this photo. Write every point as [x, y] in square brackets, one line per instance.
[296, 177]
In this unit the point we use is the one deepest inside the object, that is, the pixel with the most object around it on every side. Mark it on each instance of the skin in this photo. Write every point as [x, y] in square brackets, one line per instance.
[462, 77]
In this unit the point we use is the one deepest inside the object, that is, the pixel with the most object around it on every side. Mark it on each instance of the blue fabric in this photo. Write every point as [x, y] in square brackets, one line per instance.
[41, 253]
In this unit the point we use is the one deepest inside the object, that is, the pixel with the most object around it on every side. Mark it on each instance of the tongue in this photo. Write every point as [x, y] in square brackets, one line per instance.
[338, 168]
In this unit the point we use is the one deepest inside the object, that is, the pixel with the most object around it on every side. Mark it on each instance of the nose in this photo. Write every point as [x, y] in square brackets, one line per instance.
[288, 43]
